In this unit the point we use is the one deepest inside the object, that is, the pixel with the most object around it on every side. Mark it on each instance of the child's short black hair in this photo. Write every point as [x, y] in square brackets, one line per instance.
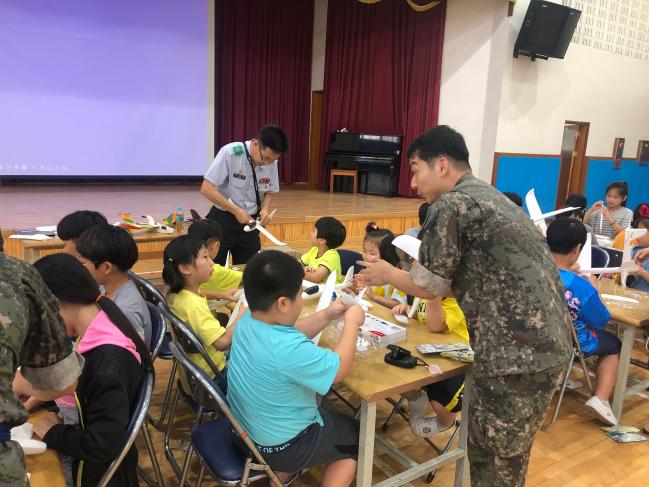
[514, 197]
[107, 243]
[441, 141]
[274, 138]
[331, 230]
[564, 234]
[181, 250]
[578, 201]
[269, 276]
[382, 238]
[423, 212]
[207, 230]
[73, 225]
[640, 215]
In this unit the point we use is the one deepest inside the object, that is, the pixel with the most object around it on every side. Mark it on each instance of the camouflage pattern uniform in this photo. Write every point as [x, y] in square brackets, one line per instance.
[477, 245]
[32, 335]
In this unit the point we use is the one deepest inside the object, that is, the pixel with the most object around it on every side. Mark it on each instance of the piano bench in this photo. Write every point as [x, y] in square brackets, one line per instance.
[343, 172]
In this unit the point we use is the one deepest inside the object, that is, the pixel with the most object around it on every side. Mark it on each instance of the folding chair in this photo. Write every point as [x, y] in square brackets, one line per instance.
[614, 255]
[576, 353]
[151, 295]
[599, 257]
[215, 443]
[138, 417]
[185, 338]
[398, 407]
[348, 258]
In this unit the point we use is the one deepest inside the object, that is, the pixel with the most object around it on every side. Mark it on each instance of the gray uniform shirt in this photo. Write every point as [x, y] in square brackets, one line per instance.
[232, 175]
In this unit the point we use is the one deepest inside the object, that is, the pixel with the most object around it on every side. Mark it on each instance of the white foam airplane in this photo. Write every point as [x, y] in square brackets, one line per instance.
[315, 293]
[625, 267]
[410, 245]
[537, 216]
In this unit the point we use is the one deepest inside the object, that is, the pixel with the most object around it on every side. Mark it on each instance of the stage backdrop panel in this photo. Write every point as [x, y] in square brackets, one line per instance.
[116, 88]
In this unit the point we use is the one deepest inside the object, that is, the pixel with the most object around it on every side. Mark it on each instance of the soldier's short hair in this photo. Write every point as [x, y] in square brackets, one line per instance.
[73, 225]
[441, 141]
[274, 138]
[564, 234]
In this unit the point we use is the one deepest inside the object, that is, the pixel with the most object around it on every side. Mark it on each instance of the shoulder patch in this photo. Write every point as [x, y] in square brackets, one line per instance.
[237, 150]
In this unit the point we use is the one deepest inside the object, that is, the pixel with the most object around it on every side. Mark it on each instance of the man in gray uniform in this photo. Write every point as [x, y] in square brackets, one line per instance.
[32, 335]
[500, 269]
[239, 183]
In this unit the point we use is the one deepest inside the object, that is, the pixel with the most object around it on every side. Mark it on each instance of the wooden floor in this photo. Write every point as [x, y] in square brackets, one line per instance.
[30, 206]
[574, 452]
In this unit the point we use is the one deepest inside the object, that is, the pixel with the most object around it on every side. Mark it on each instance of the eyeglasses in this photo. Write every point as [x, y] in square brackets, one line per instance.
[264, 158]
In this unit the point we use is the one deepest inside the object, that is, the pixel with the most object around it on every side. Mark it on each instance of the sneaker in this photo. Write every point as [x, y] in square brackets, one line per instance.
[418, 406]
[603, 409]
[428, 426]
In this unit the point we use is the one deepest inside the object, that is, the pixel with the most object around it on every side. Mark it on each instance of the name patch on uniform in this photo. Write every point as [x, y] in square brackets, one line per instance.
[238, 150]
[239, 176]
[264, 181]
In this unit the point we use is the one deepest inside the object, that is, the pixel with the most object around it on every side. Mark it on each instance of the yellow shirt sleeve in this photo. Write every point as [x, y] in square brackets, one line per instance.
[455, 321]
[195, 312]
[222, 279]
[330, 259]
[390, 292]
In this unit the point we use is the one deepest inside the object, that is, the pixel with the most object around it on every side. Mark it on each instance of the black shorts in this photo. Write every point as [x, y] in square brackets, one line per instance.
[447, 392]
[316, 445]
[607, 344]
[243, 245]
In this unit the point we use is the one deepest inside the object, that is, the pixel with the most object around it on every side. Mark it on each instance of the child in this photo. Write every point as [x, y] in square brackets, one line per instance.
[441, 315]
[327, 235]
[73, 225]
[640, 279]
[378, 245]
[109, 252]
[187, 265]
[276, 370]
[115, 364]
[422, 214]
[614, 218]
[224, 282]
[514, 198]
[566, 237]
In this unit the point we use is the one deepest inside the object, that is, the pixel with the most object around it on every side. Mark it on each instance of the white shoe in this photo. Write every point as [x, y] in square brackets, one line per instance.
[418, 406]
[424, 427]
[603, 409]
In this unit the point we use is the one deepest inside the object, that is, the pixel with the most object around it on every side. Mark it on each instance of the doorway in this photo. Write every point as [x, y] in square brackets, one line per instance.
[572, 172]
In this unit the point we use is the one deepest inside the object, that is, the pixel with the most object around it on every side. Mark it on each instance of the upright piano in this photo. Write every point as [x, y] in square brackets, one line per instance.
[376, 158]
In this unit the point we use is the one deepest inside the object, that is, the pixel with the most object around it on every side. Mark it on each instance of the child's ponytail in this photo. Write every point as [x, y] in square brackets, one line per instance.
[181, 250]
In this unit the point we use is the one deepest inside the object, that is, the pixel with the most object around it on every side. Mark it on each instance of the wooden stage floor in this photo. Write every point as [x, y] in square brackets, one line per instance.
[30, 206]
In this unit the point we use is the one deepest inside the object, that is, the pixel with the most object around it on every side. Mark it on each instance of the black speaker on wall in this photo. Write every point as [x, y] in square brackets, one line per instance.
[546, 31]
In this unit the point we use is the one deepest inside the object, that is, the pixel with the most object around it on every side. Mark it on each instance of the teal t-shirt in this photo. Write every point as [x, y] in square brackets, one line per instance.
[274, 373]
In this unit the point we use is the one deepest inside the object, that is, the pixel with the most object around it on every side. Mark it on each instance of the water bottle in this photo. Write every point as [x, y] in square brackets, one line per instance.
[180, 219]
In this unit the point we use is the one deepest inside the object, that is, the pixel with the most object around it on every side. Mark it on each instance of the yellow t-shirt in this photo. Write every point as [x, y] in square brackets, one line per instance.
[194, 311]
[330, 259]
[222, 279]
[390, 292]
[453, 315]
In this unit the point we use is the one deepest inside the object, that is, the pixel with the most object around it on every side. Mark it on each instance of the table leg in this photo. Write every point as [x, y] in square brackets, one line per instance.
[628, 334]
[462, 465]
[366, 444]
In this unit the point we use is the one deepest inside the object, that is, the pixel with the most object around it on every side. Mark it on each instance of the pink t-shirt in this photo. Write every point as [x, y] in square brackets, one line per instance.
[101, 331]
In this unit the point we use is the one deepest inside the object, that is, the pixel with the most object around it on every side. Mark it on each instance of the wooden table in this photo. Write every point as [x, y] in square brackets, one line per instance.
[32, 248]
[630, 317]
[45, 469]
[373, 380]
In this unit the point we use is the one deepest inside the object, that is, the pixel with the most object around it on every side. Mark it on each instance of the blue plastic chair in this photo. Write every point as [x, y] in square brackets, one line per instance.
[218, 449]
[599, 257]
[348, 258]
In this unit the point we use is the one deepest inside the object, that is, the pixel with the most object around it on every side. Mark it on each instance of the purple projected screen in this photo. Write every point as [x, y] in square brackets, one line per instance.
[103, 88]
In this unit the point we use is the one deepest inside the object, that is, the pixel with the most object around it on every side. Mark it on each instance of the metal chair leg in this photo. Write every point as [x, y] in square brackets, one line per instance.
[562, 390]
[397, 406]
[158, 423]
[154, 461]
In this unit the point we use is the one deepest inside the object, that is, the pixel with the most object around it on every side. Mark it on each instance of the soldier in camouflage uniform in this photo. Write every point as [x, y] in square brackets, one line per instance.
[32, 335]
[478, 246]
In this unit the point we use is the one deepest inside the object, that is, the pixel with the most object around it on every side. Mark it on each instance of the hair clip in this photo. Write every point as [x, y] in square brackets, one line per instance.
[170, 260]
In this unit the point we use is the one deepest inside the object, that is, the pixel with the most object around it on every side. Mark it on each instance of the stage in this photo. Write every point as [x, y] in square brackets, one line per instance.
[298, 207]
